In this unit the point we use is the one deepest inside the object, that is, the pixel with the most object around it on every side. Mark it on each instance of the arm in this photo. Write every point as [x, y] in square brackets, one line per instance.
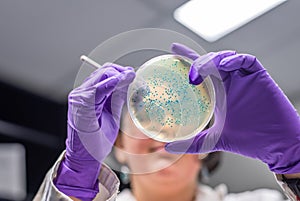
[253, 117]
[108, 185]
[94, 110]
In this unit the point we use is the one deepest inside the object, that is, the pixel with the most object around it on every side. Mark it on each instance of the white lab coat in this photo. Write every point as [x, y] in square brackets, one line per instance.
[205, 193]
[109, 184]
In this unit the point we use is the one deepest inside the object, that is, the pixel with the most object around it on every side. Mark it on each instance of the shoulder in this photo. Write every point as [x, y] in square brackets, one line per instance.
[260, 194]
[220, 193]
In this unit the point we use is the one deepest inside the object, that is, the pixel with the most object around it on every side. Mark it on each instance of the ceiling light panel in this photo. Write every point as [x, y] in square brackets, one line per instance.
[213, 19]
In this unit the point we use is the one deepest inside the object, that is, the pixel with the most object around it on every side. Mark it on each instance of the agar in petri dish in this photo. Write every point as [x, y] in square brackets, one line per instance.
[164, 105]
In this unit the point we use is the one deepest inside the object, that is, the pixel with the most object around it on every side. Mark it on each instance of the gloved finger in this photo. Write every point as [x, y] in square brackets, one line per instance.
[89, 96]
[119, 94]
[182, 147]
[118, 88]
[126, 78]
[208, 65]
[107, 70]
[98, 76]
[192, 145]
[125, 74]
[117, 67]
[183, 50]
[247, 63]
[206, 141]
[113, 103]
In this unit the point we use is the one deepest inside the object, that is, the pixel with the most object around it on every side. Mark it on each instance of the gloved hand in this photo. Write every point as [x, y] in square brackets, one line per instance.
[253, 117]
[94, 111]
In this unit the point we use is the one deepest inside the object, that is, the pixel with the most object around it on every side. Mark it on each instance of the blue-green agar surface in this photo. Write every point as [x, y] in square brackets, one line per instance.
[162, 102]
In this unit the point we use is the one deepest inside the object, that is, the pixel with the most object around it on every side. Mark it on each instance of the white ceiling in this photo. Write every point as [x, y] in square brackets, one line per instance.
[41, 41]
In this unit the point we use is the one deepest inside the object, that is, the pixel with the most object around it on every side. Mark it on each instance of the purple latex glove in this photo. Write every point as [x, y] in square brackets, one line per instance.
[93, 123]
[253, 117]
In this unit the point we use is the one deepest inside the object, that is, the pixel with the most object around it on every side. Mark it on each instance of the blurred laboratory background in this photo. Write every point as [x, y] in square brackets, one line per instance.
[41, 43]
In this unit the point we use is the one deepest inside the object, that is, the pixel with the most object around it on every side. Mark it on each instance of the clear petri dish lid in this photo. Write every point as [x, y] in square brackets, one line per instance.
[164, 105]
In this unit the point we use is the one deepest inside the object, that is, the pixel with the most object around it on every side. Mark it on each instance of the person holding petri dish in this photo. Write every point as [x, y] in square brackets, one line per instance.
[251, 117]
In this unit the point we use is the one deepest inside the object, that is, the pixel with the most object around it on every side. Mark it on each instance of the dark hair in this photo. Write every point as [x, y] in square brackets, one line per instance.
[210, 164]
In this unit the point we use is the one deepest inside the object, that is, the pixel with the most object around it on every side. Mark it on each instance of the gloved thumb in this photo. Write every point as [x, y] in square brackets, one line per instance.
[207, 65]
[198, 144]
[126, 78]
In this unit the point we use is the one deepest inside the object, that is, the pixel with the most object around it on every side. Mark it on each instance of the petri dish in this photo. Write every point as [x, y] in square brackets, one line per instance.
[164, 105]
